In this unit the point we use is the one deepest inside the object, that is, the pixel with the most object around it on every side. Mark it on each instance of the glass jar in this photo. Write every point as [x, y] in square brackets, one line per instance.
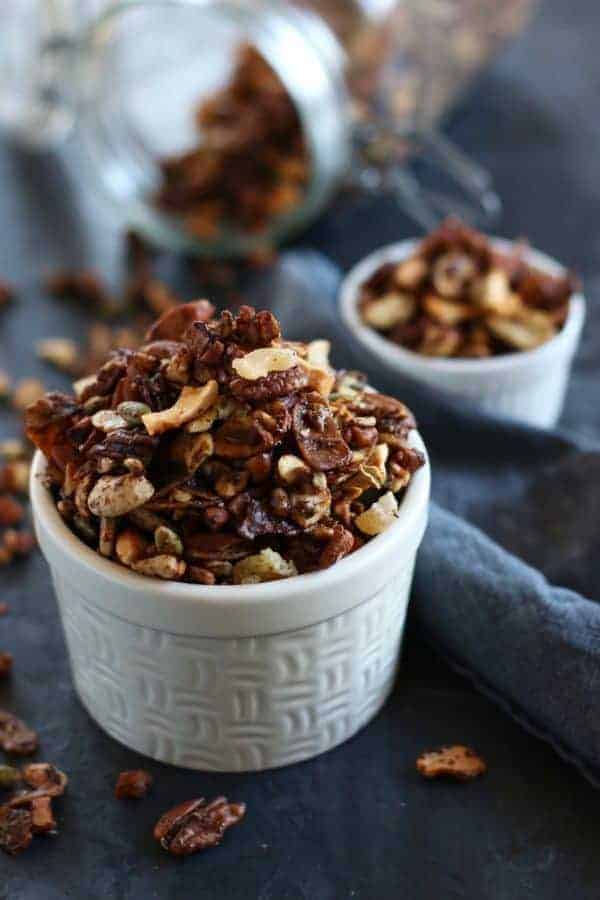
[131, 75]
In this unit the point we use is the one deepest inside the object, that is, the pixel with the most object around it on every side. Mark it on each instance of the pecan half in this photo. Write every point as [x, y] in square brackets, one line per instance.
[276, 384]
[197, 825]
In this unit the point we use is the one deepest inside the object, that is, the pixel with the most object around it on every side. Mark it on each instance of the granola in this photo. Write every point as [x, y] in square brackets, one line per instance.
[252, 165]
[133, 784]
[457, 296]
[217, 452]
[458, 762]
[29, 810]
[15, 736]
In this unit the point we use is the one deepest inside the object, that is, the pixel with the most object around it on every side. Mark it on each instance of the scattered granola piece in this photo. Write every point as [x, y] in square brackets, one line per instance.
[16, 830]
[26, 392]
[6, 663]
[42, 816]
[11, 511]
[5, 386]
[457, 762]
[14, 476]
[15, 736]
[12, 449]
[17, 543]
[29, 812]
[82, 286]
[133, 784]
[7, 293]
[197, 825]
[3, 607]
[60, 352]
[45, 778]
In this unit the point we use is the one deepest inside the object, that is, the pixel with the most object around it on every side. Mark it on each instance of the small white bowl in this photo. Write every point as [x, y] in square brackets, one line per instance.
[234, 678]
[529, 386]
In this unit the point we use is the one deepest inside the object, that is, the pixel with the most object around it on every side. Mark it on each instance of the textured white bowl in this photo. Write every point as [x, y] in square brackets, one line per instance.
[234, 678]
[529, 387]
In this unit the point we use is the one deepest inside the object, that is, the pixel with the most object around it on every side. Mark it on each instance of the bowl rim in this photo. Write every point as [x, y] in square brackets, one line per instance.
[406, 532]
[409, 361]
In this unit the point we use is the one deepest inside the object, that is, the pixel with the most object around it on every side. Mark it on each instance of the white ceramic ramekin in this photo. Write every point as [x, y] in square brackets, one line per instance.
[234, 678]
[529, 386]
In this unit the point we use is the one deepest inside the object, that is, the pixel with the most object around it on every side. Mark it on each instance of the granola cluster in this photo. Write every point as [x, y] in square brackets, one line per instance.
[457, 296]
[252, 164]
[218, 452]
[29, 810]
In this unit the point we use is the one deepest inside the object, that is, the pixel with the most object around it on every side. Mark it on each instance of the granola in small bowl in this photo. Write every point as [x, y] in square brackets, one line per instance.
[220, 453]
[488, 321]
[460, 295]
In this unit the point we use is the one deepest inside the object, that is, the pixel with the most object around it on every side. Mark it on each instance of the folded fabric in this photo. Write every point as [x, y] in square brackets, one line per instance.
[532, 647]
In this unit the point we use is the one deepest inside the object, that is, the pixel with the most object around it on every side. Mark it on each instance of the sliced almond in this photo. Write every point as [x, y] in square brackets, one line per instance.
[162, 566]
[26, 392]
[379, 516]
[440, 340]
[376, 463]
[191, 402]
[388, 311]
[268, 565]
[60, 352]
[531, 329]
[291, 468]
[260, 363]
[116, 495]
[410, 273]
[447, 312]
[492, 293]
[317, 354]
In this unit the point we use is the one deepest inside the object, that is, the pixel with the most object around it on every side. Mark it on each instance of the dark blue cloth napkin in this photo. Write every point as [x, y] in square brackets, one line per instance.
[481, 599]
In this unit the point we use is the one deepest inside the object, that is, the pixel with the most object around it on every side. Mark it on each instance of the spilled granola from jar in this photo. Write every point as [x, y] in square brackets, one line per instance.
[457, 295]
[218, 452]
[252, 164]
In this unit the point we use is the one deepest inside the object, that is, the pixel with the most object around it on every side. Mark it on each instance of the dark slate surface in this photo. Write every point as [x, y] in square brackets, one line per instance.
[356, 823]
